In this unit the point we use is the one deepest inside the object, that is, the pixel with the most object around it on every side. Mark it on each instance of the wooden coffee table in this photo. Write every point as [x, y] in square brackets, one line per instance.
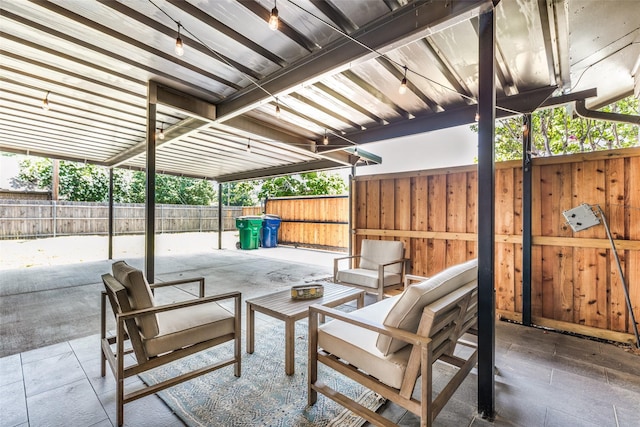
[281, 306]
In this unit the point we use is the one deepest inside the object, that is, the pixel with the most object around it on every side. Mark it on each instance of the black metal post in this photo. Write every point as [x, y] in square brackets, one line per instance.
[486, 217]
[526, 219]
[111, 216]
[150, 189]
[352, 183]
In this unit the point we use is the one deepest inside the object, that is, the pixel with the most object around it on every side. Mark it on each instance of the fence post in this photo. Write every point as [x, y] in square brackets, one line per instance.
[54, 214]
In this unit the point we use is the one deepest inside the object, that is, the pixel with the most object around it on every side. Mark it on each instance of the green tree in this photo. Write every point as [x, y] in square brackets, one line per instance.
[556, 132]
[239, 193]
[171, 189]
[90, 183]
[77, 181]
[304, 184]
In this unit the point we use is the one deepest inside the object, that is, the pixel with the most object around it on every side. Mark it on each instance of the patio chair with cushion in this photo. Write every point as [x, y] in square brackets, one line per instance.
[381, 268]
[159, 334]
[392, 345]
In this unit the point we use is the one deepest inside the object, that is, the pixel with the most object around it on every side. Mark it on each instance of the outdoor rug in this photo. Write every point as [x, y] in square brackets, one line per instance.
[264, 395]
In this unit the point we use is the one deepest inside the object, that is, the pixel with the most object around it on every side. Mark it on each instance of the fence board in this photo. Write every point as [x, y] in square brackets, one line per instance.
[402, 210]
[419, 218]
[314, 221]
[26, 219]
[437, 222]
[632, 273]
[574, 278]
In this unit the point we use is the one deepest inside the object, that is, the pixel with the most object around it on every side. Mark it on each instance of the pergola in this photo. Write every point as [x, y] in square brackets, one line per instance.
[306, 96]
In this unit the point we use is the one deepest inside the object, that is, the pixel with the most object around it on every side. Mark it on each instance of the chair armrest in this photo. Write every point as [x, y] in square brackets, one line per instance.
[182, 304]
[401, 334]
[381, 267]
[336, 261]
[410, 278]
[180, 282]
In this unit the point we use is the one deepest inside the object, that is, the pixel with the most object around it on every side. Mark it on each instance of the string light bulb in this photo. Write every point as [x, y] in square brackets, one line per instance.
[277, 109]
[179, 44]
[477, 117]
[403, 84]
[325, 140]
[249, 145]
[273, 18]
[45, 102]
[161, 132]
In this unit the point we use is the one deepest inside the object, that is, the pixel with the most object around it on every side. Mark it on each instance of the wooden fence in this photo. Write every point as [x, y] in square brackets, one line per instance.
[39, 218]
[316, 221]
[575, 284]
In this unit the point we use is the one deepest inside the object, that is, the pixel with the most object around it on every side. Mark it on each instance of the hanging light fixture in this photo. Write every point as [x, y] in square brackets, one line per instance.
[403, 85]
[161, 131]
[273, 18]
[277, 109]
[477, 117]
[248, 145]
[325, 140]
[179, 44]
[45, 102]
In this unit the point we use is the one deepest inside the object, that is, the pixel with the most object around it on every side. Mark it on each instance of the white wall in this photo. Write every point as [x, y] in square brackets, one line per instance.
[442, 148]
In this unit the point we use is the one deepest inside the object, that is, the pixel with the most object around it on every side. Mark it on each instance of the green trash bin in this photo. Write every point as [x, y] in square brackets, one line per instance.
[249, 227]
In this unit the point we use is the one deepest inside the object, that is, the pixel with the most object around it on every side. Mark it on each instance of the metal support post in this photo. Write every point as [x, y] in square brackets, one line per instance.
[486, 216]
[526, 219]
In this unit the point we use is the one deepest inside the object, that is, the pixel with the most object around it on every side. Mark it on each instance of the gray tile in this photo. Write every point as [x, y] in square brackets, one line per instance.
[147, 411]
[522, 363]
[457, 413]
[556, 418]
[13, 403]
[498, 421]
[86, 348]
[571, 382]
[521, 404]
[10, 369]
[46, 374]
[391, 411]
[627, 417]
[73, 404]
[107, 383]
[45, 352]
[583, 404]
[619, 358]
[624, 379]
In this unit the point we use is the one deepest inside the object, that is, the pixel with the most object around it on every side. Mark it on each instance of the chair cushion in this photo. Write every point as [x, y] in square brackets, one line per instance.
[377, 252]
[358, 346]
[407, 310]
[367, 278]
[140, 295]
[190, 325]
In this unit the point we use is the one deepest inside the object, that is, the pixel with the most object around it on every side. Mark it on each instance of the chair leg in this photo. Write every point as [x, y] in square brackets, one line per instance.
[120, 402]
[238, 336]
[312, 395]
[238, 357]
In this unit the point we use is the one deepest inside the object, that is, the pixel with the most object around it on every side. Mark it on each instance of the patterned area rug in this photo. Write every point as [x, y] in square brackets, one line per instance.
[263, 395]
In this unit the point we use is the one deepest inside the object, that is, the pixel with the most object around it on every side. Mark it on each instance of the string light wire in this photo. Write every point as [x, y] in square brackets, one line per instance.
[344, 34]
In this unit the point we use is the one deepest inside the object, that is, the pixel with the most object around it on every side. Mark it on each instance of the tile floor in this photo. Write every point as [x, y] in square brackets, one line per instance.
[543, 379]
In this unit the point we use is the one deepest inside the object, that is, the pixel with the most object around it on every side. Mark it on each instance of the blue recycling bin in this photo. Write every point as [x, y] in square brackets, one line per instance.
[270, 226]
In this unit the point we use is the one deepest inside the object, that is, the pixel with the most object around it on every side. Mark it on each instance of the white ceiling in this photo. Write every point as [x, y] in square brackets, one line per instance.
[332, 67]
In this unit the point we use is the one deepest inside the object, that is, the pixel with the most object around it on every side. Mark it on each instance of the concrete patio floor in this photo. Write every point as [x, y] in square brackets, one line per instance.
[49, 374]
